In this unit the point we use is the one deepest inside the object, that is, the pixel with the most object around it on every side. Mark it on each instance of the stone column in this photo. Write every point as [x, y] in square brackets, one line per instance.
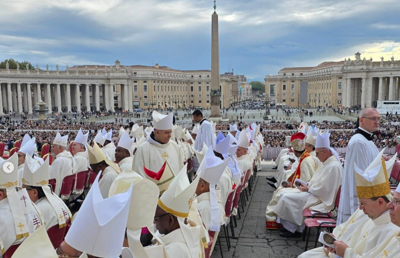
[9, 93]
[106, 99]
[380, 94]
[130, 89]
[391, 89]
[29, 95]
[68, 87]
[24, 93]
[96, 96]
[35, 95]
[348, 92]
[111, 97]
[78, 98]
[58, 98]
[1, 100]
[363, 92]
[126, 95]
[19, 99]
[87, 97]
[48, 100]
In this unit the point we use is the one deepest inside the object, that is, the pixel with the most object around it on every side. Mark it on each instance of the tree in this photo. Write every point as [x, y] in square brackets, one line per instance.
[13, 64]
[255, 85]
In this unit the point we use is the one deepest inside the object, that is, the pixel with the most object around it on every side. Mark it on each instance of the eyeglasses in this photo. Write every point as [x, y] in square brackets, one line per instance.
[365, 204]
[156, 218]
[375, 119]
[395, 202]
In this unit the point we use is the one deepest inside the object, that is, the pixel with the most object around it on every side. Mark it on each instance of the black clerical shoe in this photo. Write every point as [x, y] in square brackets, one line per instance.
[276, 167]
[272, 185]
[272, 179]
[289, 234]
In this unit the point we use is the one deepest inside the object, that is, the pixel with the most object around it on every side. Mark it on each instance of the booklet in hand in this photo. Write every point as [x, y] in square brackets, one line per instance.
[298, 182]
[327, 239]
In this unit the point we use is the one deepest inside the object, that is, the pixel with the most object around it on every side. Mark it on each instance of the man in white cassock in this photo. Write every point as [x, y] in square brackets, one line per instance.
[79, 151]
[303, 171]
[226, 182]
[109, 147]
[158, 148]
[123, 157]
[100, 163]
[210, 172]
[19, 217]
[205, 134]
[319, 195]
[64, 164]
[36, 182]
[28, 147]
[361, 150]
[374, 233]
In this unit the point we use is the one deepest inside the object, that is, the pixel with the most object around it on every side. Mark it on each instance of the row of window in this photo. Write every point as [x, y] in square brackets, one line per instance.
[166, 88]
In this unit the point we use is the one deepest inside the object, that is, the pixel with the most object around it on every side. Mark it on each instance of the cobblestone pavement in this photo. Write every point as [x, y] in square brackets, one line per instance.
[254, 241]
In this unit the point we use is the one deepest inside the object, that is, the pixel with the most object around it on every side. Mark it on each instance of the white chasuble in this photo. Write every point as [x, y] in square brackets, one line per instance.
[152, 156]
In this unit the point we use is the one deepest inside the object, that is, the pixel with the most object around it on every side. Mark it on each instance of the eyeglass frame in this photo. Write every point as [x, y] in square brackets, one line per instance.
[395, 202]
[374, 119]
[156, 218]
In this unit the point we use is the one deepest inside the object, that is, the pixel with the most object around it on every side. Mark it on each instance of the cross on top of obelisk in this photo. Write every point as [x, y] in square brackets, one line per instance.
[215, 5]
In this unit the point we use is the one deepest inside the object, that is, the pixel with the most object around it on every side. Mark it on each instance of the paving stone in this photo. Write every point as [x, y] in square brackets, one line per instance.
[253, 240]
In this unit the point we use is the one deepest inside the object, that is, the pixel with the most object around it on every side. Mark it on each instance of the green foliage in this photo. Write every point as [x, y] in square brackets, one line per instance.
[13, 64]
[258, 86]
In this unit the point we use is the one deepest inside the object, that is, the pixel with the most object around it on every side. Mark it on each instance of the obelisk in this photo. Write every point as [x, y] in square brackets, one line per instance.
[215, 90]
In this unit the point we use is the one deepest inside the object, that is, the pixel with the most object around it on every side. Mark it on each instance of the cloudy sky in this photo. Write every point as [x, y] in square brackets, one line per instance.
[257, 37]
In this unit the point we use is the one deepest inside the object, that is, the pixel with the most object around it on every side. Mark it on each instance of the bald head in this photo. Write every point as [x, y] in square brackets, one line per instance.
[366, 112]
[369, 119]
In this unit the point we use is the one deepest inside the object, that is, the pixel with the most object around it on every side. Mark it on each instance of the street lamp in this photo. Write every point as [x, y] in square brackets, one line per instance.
[175, 101]
[267, 106]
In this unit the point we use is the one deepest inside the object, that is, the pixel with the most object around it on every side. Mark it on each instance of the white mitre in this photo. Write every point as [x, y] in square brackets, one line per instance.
[39, 177]
[104, 220]
[233, 128]
[177, 199]
[211, 170]
[61, 140]
[243, 140]
[99, 138]
[178, 130]
[232, 139]
[26, 139]
[136, 131]
[312, 135]
[200, 154]
[82, 138]
[29, 147]
[109, 135]
[162, 122]
[374, 180]
[322, 140]
[222, 146]
[126, 142]
[37, 245]
[195, 129]
[9, 182]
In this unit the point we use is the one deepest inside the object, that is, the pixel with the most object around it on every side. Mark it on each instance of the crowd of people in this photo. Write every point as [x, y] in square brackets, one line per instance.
[159, 191]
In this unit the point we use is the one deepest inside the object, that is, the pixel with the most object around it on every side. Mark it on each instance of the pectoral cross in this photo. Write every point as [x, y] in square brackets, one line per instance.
[165, 155]
[23, 198]
[21, 226]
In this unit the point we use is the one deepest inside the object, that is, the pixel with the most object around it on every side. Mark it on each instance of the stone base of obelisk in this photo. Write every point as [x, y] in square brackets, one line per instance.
[215, 115]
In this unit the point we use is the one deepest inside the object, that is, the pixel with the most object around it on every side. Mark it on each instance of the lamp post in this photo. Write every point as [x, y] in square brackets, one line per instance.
[267, 107]
[175, 101]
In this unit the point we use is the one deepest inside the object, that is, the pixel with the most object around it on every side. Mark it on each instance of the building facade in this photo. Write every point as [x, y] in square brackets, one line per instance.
[348, 83]
[100, 88]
